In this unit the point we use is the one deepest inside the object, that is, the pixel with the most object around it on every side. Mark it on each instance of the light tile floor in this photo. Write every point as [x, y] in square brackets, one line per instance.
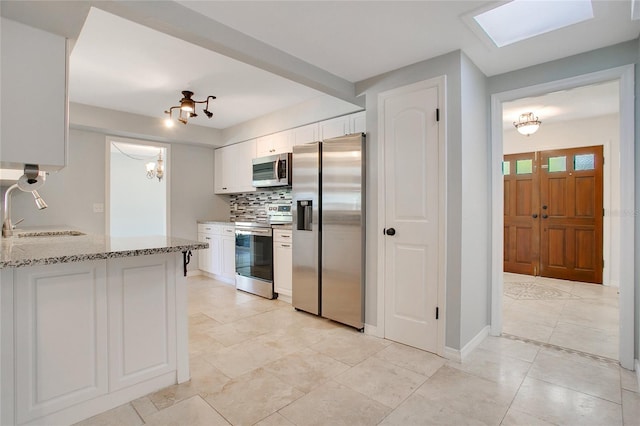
[256, 361]
[579, 316]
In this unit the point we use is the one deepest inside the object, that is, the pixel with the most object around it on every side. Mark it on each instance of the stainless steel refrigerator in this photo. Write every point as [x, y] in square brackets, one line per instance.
[328, 229]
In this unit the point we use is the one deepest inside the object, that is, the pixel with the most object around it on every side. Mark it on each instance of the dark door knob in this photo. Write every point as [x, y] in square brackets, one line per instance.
[544, 216]
[535, 215]
[544, 207]
[391, 232]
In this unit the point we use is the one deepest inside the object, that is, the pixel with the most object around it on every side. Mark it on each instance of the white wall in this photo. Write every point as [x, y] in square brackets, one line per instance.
[475, 246]
[137, 205]
[603, 130]
[72, 191]
[118, 123]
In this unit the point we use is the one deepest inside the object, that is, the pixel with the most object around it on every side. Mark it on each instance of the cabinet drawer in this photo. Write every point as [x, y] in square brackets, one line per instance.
[282, 235]
[209, 228]
[228, 231]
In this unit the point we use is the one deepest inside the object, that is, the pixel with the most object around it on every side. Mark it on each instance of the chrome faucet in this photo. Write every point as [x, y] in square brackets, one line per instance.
[7, 226]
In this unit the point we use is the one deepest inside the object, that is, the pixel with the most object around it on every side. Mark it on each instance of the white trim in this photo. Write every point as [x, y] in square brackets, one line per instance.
[462, 354]
[372, 330]
[167, 177]
[452, 354]
[637, 363]
[441, 83]
[625, 75]
[194, 272]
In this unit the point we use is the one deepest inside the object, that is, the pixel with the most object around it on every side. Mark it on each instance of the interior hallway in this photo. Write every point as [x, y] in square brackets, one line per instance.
[579, 316]
[256, 361]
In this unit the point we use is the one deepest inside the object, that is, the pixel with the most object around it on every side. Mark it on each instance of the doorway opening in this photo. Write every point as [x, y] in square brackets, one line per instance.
[553, 294]
[137, 188]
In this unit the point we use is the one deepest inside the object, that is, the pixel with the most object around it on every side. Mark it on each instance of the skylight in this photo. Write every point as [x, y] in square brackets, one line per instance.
[522, 19]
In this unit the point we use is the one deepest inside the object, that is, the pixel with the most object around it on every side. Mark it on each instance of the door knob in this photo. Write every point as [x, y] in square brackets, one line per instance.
[544, 207]
[391, 232]
[544, 216]
[535, 215]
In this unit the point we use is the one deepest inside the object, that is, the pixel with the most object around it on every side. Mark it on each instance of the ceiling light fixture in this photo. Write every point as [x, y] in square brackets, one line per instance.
[156, 171]
[527, 124]
[187, 109]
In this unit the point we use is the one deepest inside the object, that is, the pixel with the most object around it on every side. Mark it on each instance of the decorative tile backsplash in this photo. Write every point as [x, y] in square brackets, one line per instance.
[251, 206]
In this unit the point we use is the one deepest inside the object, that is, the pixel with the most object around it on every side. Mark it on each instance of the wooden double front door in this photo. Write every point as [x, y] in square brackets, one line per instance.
[553, 214]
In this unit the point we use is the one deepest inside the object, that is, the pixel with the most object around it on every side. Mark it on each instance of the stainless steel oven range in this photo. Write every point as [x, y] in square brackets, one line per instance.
[254, 259]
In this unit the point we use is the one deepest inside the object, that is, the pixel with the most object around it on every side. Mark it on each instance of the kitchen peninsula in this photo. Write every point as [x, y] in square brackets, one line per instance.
[89, 322]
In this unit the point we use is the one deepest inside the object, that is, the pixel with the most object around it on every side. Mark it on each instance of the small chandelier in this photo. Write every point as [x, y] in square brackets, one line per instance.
[187, 109]
[527, 124]
[156, 171]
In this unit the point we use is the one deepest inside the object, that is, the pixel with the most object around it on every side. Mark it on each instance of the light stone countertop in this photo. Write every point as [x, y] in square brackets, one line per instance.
[216, 222]
[19, 251]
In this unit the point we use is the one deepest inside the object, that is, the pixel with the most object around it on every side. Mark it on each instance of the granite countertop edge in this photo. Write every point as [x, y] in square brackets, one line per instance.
[99, 253]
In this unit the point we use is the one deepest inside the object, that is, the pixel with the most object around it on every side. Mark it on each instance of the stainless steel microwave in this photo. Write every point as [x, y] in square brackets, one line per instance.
[274, 170]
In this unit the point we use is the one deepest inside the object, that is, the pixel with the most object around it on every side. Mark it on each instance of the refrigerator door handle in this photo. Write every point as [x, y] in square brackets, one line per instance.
[308, 213]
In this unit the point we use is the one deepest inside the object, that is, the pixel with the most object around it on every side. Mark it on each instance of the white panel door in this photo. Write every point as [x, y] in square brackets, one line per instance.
[142, 308]
[412, 202]
[61, 345]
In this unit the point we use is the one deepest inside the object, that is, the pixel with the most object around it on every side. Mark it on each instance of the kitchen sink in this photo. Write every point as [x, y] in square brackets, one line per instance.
[50, 234]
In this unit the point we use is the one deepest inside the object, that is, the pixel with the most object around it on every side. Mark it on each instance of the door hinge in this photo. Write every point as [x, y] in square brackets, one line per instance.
[602, 212]
[437, 312]
[602, 263]
[437, 114]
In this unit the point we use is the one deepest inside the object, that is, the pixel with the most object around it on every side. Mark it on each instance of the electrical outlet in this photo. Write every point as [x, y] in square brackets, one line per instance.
[98, 208]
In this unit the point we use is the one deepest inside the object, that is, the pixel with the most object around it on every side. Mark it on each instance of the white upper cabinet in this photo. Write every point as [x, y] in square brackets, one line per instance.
[358, 122]
[335, 127]
[305, 134]
[34, 121]
[345, 125]
[233, 169]
[277, 143]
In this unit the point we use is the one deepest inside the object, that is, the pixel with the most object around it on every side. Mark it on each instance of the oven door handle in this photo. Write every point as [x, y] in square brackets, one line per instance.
[253, 231]
[276, 170]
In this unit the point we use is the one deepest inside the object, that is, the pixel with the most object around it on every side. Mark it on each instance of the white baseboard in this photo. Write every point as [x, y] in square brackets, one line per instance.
[194, 273]
[637, 367]
[462, 354]
[452, 354]
[372, 330]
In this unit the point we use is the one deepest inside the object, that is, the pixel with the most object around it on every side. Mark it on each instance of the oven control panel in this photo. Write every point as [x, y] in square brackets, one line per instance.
[279, 213]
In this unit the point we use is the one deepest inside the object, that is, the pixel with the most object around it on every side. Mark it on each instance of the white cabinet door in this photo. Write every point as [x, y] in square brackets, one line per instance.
[358, 122]
[33, 75]
[142, 331]
[233, 168]
[229, 257]
[282, 263]
[277, 143]
[204, 256]
[219, 179]
[335, 127]
[305, 134]
[60, 343]
[216, 254]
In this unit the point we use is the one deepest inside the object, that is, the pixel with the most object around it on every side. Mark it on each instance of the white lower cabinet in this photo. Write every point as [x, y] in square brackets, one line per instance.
[141, 297]
[282, 264]
[219, 259]
[82, 338]
[60, 337]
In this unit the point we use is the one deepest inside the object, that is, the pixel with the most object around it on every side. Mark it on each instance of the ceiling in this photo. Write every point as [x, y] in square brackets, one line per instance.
[258, 57]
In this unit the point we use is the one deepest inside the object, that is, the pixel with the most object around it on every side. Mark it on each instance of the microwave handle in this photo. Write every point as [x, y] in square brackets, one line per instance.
[276, 173]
